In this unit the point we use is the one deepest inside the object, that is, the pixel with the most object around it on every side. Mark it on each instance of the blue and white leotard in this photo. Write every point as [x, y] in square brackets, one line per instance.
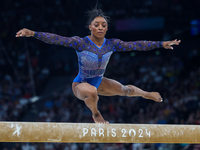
[92, 60]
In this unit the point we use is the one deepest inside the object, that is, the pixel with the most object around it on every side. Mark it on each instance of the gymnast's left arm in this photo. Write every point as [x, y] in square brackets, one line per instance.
[120, 45]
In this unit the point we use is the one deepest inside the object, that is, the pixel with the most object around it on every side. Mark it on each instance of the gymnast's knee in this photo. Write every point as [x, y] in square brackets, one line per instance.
[92, 96]
[128, 91]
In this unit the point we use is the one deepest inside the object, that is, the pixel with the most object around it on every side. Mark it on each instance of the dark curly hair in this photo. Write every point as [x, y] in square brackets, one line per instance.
[92, 14]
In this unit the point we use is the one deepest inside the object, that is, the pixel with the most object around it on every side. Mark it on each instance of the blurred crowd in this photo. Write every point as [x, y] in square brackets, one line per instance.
[27, 65]
[63, 18]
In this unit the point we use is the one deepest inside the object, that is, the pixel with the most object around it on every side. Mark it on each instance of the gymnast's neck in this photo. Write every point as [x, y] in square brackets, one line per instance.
[97, 41]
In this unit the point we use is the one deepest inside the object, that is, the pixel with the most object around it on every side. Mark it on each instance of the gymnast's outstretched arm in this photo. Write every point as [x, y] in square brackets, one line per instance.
[120, 45]
[51, 38]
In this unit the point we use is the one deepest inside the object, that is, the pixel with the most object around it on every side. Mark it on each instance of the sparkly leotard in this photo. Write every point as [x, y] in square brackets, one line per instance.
[92, 60]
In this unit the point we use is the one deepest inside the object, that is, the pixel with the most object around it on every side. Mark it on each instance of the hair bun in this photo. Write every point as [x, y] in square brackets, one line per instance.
[95, 13]
[98, 12]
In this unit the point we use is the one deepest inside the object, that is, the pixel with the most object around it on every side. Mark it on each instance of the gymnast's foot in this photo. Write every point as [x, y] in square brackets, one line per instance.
[99, 119]
[153, 96]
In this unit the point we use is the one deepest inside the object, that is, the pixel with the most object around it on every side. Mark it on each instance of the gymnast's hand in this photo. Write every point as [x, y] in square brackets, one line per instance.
[168, 44]
[25, 33]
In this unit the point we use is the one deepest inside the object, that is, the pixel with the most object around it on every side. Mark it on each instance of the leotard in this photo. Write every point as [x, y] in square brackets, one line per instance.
[92, 60]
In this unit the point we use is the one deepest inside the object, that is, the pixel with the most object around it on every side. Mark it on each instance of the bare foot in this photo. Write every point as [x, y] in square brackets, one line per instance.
[153, 96]
[99, 119]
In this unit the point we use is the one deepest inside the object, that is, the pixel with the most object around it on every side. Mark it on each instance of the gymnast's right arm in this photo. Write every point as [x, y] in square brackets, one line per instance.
[50, 38]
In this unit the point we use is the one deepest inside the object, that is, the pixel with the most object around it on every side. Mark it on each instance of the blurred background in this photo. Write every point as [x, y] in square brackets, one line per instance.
[35, 78]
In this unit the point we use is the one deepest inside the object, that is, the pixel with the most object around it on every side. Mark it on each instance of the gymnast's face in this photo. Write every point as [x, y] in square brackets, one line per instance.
[98, 27]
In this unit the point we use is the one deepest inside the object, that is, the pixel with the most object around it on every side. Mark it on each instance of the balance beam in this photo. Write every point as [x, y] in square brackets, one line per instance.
[97, 133]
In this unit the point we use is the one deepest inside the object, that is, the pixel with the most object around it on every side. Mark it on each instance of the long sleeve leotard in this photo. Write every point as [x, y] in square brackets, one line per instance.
[92, 60]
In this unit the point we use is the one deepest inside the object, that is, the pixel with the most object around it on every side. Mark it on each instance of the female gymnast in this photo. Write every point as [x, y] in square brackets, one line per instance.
[93, 53]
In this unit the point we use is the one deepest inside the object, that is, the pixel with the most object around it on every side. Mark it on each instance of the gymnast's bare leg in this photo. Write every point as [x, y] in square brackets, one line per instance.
[110, 87]
[88, 94]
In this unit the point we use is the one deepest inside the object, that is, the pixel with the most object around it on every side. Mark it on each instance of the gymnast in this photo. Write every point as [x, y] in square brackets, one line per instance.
[93, 53]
